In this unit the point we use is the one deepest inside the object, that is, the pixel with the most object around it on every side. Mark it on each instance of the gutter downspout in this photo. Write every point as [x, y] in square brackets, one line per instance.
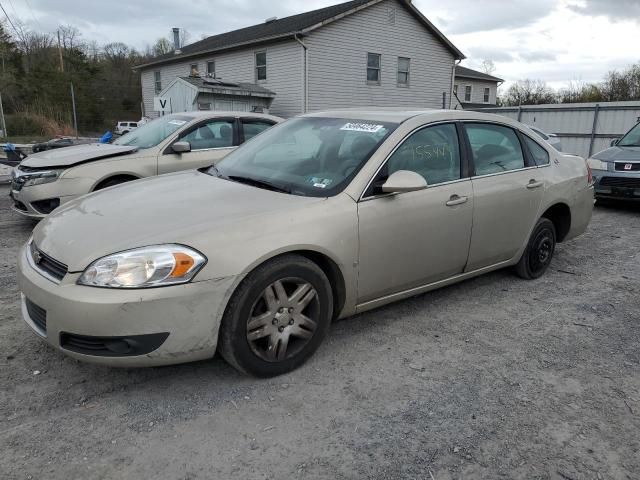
[453, 79]
[305, 74]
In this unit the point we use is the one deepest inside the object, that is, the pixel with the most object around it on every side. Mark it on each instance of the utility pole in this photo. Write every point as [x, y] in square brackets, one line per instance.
[4, 125]
[60, 53]
[73, 103]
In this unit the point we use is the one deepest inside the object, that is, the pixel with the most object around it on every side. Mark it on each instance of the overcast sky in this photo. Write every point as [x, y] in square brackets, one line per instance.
[553, 40]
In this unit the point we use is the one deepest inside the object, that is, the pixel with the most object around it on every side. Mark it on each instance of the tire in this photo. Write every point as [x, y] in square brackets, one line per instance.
[268, 330]
[111, 182]
[539, 252]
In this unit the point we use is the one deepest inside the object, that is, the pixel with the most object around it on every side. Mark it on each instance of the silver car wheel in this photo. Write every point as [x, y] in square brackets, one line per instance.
[283, 319]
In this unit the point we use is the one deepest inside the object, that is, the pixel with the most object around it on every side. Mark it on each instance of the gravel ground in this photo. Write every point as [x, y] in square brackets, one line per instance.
[492, 378]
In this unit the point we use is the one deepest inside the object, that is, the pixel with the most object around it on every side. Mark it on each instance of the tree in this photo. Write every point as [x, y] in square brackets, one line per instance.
[162, 47]
[621, 86]
[488, 67]
[529, 92]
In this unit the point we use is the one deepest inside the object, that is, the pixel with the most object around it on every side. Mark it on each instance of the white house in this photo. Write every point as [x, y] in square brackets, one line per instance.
[355, 54]
[473, 89]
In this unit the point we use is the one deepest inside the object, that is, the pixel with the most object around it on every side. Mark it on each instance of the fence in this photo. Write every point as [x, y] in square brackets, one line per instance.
[584, 128]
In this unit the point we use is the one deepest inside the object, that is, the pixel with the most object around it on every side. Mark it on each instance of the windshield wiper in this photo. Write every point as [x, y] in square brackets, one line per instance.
[259, 183]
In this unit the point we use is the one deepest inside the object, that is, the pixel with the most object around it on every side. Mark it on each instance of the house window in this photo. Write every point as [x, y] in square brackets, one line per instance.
[455, 90]
[467, 93]
[403, 71]
[486, 95]
[193, 70]
[373, 68]
[157, 81]
[211, 68]
[204, 106]
[261, 66]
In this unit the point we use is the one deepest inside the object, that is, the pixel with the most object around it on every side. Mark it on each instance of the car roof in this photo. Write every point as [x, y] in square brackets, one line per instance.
[427, 115]
[201, 114]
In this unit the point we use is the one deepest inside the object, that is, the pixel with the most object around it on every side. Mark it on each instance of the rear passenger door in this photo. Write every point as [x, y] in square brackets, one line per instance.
[210, 142]
[507, 190]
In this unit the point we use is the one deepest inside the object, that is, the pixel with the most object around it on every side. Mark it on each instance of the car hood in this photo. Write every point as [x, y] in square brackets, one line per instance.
[188, 208]
[68, 156]
[619, 154]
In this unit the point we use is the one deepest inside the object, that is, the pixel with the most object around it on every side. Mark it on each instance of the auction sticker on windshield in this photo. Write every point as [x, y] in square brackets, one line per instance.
[362, 127]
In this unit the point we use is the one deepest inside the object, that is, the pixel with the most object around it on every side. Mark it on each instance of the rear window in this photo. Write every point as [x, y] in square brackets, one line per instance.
[539, 154]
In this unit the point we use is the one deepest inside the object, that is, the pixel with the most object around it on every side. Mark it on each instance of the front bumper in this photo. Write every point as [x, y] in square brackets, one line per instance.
[190, 314]
[32, 201]
[617, 184]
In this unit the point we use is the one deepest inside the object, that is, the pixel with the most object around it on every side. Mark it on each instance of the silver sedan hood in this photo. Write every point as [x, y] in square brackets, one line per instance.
[189, 208]
[68, 156]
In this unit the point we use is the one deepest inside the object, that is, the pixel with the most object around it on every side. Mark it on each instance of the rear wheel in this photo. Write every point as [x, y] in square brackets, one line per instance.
[277, 317]
[537, 256]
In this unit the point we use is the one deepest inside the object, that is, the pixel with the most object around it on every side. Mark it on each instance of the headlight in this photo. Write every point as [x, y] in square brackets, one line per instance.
[41, 177]
[596, 164]
[146, 267]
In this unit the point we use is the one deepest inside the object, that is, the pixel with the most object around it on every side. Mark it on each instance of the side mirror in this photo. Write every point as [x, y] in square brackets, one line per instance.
[181, 147]
[614, 142]
[404, 181]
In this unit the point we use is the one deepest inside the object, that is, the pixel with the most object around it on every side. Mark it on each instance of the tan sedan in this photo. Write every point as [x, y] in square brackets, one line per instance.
[321, 217]
[45, 180]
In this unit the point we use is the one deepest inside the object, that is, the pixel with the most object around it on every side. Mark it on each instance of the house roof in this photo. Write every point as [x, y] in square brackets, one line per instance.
[464, 72]
[289, 26]
[220, 87]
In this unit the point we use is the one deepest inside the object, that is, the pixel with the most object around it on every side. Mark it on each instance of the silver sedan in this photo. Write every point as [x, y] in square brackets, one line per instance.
[321, 217]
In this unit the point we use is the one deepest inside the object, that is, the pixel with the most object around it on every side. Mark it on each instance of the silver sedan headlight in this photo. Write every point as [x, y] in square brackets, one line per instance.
[38, 178]
[596, 164]
[146, 267]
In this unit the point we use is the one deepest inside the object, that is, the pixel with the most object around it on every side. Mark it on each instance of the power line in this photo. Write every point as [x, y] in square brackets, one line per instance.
[12, 25]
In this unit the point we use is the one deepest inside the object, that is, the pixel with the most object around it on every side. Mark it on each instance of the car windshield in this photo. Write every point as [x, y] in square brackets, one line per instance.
[151, 134]
[312, 156]
[632, 138]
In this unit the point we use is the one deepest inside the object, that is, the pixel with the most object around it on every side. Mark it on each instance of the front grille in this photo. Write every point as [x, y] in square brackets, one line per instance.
[623, 167]
[620, 182]
[112, 346]
[38, 315]
[48, 265]
[16, 184]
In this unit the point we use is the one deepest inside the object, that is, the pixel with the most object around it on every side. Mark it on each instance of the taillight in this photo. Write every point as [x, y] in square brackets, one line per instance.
[589, 174]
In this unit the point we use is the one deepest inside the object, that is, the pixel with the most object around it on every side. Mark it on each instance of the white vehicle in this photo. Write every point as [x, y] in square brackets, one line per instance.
[551, 138]
[123, 128]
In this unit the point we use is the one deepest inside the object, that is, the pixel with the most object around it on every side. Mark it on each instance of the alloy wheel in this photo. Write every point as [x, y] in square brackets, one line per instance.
[283, 319]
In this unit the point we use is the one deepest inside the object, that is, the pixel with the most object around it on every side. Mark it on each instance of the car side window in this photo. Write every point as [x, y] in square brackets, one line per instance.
[495, 148]
[214, 134]
[254, 127]
[539, 154]
[433, 152]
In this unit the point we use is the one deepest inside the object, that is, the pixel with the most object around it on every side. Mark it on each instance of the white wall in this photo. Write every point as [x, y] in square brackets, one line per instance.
[284, 74]
[477, 91]
[338, 61]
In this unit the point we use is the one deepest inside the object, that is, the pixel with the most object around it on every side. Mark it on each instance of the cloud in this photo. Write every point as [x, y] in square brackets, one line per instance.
[615, 10]
[467, 16]
[539, 56]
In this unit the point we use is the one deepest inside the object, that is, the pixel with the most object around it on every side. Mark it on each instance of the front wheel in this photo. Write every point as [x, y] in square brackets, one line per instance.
[277, 317]
[537, 256]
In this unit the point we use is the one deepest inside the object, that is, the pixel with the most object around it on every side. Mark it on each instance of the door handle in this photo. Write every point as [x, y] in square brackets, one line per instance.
[533, 184]
[456, 200]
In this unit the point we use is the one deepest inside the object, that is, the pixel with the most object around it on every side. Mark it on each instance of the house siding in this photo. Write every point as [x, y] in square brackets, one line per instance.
[338, 61]
[284, 74]
[477, 91]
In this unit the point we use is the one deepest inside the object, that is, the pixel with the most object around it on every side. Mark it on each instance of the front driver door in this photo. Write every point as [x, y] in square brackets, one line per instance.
[210, 142]
[415, 238]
